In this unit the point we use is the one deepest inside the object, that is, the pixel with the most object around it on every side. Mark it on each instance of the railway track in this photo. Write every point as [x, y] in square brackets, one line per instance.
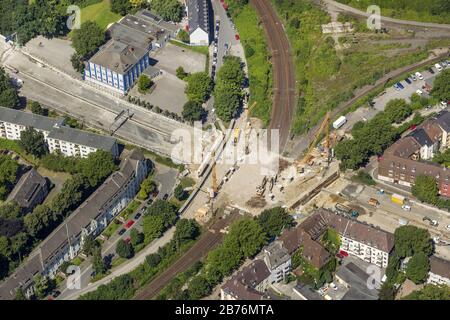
[283, 70]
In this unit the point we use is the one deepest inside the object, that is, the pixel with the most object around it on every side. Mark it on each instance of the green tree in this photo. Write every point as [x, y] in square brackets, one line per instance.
[183, 36]
[248, 235]
[153, 260]
[179, 193]
[124, 249]
[147, 188]
[166, 210]
[70, 195]
[199, 287]
[274, 221]
[36, 108]
[441, 86]
[186, 229]
[430, 292]
[97, 166]
[144, 83]
[87, 39]
[77, 62]
[153, 227]
[40, 221]
[410, 240]
[90, 245]
[19, 295]
[425, 189]
[122, 7]
[199, 86]
[193, 111]
[418, 267]
[136, 237]
[9, 170]
[98, 263]
[169, 10]
[397, 110]
[8, 94]
[42, 286]
[181, 74]
[33, 142]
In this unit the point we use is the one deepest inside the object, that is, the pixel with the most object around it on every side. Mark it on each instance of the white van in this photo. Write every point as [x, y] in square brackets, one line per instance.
[419, 75]
[438, 67]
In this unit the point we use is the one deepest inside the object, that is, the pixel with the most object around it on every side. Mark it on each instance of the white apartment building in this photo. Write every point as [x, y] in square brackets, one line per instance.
[198, 12]
[439, 273]
[365, 251]
[68, 141]
[90, 218]
[277, 260]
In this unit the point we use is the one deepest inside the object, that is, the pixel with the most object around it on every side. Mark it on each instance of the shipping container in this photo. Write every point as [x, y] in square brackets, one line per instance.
[339, 122]
[396, 198]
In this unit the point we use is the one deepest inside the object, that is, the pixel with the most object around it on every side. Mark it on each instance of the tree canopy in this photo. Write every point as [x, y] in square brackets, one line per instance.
[169, 10]
[193, 111]
[122, 7]
[87, 39]
[430, 292]
[397, 110]
[33, 142]
[274, 220]
[124, 249]
[8, 94]
[97, 166]
[441, 86]
[410, 240]
[8, 175]
[425, 189]
[199, 86]
[418, 267]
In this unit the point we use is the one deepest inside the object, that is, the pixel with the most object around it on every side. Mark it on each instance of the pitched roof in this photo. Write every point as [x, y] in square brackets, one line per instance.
[198, 15]
[443, 120]
[440, 267]
[275, 255]
[432, 129]
[29, 185]
[421, 136]
[29, 119]
[81, 137]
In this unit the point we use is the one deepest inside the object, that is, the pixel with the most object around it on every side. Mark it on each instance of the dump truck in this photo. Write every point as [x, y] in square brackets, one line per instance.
[396, 198]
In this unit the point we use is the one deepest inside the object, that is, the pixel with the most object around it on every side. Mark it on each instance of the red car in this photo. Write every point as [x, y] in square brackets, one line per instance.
[237, 37]
[129, 224]
[413, 127]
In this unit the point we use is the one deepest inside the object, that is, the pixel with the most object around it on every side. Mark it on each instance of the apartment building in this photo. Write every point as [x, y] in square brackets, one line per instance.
[68, 141]
[199, 12]
[439, 273]
[277, 260]
[90, 218]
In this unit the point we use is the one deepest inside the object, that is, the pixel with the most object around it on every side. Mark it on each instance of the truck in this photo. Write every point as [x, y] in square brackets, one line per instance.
[374, 202]
[339, 122]
[432, 222]
[399, 199]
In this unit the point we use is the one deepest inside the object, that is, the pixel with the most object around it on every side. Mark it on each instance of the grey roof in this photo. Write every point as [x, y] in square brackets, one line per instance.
[82, 138]
[275, 255]
[443, 120]
[118, 56]
[29, 119]
[152, 72]
[71, 227]
[421, 136]
[29, 186]
[440, 266]
[136, 31]
[198, 15]
[307, 292]
[356, 279]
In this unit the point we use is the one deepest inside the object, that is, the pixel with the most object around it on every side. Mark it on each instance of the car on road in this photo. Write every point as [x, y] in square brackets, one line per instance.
[137, 216]
[122, 231]
[215, 50]
[165, 197]
[400, 85]
[419, 76]
[373, 202]
[406, 207]
[56, 293]
[408, 81]
[129, 224]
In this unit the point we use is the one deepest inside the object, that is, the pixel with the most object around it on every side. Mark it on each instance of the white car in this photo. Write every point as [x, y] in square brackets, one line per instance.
[447, 227]
[413, 77]
[419, 92]
[438, 67]
[406, 207]
[419, 75]
[444, 104]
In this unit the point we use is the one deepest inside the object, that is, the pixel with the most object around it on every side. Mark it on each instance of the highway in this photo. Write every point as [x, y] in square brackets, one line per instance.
[283, 70]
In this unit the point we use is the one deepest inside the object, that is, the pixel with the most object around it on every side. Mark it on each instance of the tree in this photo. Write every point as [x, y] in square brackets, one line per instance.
[122, 7]
[40, 221]
[169, 10]
[8, 94]
[418, 267]
[36, 108]
[33, 142]
[387, 292]
[70, 195]
[199, 287]
[97, 166]
[226, 101]
[19, 295]
[136, 237]
[410, 240]
[147, 188]
[183, 36]
[153, 260]
[199, 86]
[144, 83]
[124, 249]
[193, 111]
[441, 86]
[8, 175]
[179, 193]
[186, 229]
[397, 110]
[274, 221]
[90, 245]
[4, 266]
[77, 62]
[42, 286]
[248, 235]
[425, 189]
[181, 74]
[430, 292]
[166, 210]
[153, 227]
[98, 263]
[87, 39]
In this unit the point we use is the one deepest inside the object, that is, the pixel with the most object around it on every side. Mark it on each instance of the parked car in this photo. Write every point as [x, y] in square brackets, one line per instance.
[408, 81]
[447, 227]
[129, 224]
[122, 231]
[413, 77]
[237, 37]
[419, 75]
[56, 293]
[137, 216]
[400, 85]
[396, 87]
[431, 70]
[406, 207]
[438, 67]
[419, 92]
[165, 197]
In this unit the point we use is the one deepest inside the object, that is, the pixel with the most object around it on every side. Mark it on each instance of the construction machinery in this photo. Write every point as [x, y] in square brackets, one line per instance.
[308, 158]
[262, 188]
[248, 126]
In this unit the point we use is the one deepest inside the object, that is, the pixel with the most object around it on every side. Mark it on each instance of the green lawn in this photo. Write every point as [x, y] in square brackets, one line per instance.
[130, 209]
[199, 49]
[100, 13]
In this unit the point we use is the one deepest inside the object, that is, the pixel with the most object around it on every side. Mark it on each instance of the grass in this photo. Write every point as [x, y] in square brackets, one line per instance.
[199, 49]
[187, 182]
[13, 145]
[111, 229]
[130, 209]
[258, 59]
[77, 261]
[100, 13]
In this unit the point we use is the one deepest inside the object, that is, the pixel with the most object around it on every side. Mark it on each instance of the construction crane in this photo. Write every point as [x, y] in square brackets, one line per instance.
[325, 126]
[248, 126]
[213, 174]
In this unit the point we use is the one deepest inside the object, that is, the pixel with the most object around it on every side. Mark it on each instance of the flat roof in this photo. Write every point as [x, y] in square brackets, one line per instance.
[29, 119]
[82, 138]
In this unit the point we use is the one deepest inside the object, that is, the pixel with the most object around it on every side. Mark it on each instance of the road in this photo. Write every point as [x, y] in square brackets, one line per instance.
[200, 249]
[283, 70]
[360, 13]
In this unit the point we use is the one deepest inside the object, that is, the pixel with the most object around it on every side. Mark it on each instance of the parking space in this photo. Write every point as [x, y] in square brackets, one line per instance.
[171, 57]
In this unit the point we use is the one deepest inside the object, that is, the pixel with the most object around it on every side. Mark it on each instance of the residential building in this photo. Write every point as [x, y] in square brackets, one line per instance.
[277, 260]
[119, 63]
[90, 218]
[443, 121]
[30, 190]
[439, 273]
[68, 141]
[199, 13]
[13, 122]
[248, 283]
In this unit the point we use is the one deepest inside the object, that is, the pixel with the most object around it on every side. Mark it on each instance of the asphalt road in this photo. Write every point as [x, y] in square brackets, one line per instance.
[283, 70]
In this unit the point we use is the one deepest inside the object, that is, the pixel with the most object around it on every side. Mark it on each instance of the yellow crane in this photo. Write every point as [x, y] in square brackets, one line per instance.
[214, 174]
[325, 126]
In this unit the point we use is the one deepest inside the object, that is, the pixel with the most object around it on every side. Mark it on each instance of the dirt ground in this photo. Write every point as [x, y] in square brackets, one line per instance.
[57, 178]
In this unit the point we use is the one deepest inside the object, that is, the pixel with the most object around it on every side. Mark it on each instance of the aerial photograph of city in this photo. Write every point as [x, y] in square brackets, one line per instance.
[224, 158]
